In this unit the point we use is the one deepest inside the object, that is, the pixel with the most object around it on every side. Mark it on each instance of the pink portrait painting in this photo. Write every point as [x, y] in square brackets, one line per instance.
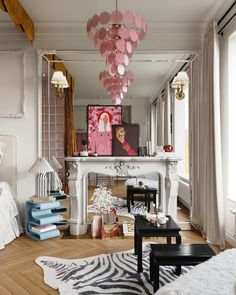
[100, 120]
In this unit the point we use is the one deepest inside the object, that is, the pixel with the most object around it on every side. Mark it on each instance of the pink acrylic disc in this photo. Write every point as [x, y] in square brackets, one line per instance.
[94, 21]
[124, 89]
[129, 47]
[138, 21]
[141, 35]
[113, 69]
[89, 26]
[95, 39]
[133, 35]
[104, 18]
[112, 45]
[116, 17]
[121, 69]
[144, 26]
[120, 45]
[111, 58]
[126, 60]
[103, 47]
[120, 58]
[102, 33]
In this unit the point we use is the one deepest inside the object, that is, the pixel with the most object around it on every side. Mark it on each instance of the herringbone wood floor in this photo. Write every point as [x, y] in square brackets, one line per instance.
[19, 274]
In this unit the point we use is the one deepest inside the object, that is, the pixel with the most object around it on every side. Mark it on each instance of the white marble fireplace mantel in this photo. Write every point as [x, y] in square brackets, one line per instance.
[79, 167]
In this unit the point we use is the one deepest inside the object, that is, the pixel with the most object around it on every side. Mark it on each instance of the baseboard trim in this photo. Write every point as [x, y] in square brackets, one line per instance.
[184, 202]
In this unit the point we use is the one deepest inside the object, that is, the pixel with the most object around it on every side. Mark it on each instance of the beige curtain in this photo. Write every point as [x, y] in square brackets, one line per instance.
[167, 106]
[207, 193]
[160, 121]
[70, 146]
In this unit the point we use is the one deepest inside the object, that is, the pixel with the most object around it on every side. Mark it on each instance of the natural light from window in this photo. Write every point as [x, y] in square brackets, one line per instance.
[232, 118]
[182, 134]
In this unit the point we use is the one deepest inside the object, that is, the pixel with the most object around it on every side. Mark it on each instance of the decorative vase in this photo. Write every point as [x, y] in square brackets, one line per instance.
[96, 226]
[168, 148]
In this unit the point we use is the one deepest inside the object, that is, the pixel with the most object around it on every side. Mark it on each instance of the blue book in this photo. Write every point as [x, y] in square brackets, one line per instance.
[44, 236]
[48, 205]
[46, 219]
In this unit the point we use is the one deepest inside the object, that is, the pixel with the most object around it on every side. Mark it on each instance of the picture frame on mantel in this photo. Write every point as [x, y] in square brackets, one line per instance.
[100, 119]
[125, 140]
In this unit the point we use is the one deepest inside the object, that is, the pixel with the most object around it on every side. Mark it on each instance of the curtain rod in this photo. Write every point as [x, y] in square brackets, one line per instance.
[226, 24]
[224, 16]
[183, 66]
[226, 13]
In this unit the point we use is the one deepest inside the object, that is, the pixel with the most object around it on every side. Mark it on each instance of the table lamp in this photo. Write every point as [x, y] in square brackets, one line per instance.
[54, 182]
[40, 168]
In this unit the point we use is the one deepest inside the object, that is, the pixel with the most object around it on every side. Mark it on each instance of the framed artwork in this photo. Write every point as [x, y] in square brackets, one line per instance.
[125, 140]
[100, 119]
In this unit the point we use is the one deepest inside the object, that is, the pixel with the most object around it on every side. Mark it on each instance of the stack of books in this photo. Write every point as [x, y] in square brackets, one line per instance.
[51, 198]
[128, 229]
[42, 199]
[43, 228]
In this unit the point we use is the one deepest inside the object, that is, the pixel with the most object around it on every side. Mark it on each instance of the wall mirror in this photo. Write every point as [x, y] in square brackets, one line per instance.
[141, 104]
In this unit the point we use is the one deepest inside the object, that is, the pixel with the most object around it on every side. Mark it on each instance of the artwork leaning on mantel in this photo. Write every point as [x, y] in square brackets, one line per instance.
[125, 140]
[100, 119]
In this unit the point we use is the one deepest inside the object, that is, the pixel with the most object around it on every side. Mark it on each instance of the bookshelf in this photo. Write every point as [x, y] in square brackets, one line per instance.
[45, 214]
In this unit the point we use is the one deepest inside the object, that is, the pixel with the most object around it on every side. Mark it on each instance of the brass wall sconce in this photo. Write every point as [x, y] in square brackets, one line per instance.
[179, 83]
[60, 82]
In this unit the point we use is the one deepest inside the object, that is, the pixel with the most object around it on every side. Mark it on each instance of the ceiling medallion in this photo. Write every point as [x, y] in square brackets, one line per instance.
[116, 35]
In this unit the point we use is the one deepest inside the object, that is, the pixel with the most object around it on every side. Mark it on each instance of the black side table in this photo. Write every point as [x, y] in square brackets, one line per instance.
[176, 255]
[143, 228]
[148, 192]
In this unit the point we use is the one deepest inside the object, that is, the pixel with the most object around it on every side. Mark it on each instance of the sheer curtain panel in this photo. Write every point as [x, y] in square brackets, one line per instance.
[207, 191]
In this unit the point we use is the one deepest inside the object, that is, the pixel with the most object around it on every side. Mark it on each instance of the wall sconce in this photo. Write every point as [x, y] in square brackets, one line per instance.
[60, 82]
[180, 82]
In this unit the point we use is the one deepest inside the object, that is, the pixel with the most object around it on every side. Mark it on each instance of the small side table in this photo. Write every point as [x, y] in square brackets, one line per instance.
[148, 192]
[143, 228]
[192, 254]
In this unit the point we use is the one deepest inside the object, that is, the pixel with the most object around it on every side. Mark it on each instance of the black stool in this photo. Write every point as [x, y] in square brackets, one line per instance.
[148, 192]
[176, 254]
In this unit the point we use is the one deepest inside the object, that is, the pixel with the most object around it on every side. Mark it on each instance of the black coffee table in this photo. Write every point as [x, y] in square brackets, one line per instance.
[144, 228]
[183, 254]
[149, 194]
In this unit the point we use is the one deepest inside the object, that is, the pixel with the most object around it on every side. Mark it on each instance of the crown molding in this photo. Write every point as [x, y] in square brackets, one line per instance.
[79, 28]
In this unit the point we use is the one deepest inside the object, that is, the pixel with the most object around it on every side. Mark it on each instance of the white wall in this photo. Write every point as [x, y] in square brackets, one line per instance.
[25, 129]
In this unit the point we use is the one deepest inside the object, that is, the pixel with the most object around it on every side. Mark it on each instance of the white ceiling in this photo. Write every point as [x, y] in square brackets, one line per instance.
[151, 10]
[173, 25]
[151, 71]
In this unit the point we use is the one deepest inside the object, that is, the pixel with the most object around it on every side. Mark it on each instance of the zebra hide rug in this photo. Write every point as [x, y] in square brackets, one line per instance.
[120, 206]
[114, 273]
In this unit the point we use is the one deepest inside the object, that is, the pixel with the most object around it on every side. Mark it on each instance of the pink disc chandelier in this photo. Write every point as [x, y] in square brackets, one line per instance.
[116, 35]
[117, 85]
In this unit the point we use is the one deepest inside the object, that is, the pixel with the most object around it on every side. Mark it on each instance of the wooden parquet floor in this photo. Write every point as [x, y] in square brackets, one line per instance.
[19, 275]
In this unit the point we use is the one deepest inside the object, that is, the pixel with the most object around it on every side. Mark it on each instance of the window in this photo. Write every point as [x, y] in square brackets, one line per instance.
[181, 133]
[231, 117]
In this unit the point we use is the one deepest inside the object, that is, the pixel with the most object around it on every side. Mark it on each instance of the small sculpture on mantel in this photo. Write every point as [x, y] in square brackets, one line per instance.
[84, 152]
